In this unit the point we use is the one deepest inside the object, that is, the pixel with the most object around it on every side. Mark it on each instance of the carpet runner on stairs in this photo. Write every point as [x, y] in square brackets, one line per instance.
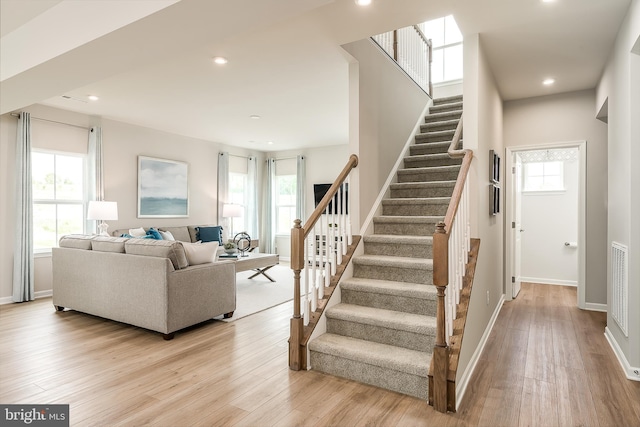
[383, 331]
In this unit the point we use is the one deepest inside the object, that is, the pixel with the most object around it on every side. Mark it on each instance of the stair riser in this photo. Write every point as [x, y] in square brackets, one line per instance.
[429, 148]
[448, 100]
[445, 108]
[439, 126]
[421, 192]
[429, 162]
[389, 302]
[441, 117]
[404, 229]
[423, 138]
[389, 379]
[414, 209]
[398, 249]
[428, 176]
[382, 335]
[399, 274]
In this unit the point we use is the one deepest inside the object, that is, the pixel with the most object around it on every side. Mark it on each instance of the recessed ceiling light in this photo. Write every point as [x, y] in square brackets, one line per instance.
[548, 82]
[92, 98]
[220, 60]
[548, 1]
[363, 2]
[254, 117]
[270, 142]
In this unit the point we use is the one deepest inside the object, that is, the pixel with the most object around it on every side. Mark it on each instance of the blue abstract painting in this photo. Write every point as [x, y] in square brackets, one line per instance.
[163, 190]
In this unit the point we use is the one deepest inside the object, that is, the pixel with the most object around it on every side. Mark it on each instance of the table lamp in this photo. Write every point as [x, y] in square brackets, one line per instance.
[101, 211]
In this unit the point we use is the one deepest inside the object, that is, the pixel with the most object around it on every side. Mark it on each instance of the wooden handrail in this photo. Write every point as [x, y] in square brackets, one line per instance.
[298, 235]
[331, 192]
[467, 157]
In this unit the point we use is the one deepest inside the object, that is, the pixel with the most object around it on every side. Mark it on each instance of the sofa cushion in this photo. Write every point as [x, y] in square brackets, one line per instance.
[209, 234]
[158, 248]
[108, 244]
[179, 233]
[76, 241]
[166, 235]
[200, 253]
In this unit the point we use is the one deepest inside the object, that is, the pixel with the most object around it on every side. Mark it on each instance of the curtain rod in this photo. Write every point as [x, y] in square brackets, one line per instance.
[286, 158]
[53, 121]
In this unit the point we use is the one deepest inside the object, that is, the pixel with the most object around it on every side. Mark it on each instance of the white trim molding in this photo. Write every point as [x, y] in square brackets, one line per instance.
[594, 306]
[38, 295]
[632, 373]
[461, 386]
[544, 281]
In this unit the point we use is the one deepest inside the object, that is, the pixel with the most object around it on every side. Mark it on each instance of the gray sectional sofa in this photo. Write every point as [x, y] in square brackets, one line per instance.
[142, 282]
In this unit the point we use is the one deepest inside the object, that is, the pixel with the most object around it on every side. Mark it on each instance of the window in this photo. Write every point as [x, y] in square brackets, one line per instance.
[447, 49]
[285, 203]
[238, 196]
[58, 197]
[544, 176]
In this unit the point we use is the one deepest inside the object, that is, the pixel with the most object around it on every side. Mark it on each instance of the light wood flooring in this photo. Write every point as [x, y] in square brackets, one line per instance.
[546, 363]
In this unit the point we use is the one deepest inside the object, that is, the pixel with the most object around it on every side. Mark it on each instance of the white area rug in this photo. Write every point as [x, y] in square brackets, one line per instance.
[258, 294]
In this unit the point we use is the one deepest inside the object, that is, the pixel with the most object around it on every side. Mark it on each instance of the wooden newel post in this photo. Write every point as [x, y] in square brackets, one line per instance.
[297, 264]
[441, 350]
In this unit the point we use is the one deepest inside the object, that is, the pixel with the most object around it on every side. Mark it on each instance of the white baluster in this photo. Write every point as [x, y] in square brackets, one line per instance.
[305, 304]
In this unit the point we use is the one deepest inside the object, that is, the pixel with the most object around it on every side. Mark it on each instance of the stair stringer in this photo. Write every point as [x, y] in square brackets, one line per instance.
[367, 229]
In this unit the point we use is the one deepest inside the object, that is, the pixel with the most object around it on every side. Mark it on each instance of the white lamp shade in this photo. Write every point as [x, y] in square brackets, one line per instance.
[231, 211]
[101, 210]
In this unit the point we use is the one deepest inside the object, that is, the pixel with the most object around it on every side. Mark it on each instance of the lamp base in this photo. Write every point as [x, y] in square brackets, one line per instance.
[103, 226]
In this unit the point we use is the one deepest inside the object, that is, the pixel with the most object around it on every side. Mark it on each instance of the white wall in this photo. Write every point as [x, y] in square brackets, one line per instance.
[388, 105]
[619, 86]
[123, 143]
[562, 118]
[482, 132]
[549, 219]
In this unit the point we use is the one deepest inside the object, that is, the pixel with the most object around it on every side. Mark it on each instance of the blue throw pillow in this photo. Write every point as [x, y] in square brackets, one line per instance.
[209, 234]
[155, 234]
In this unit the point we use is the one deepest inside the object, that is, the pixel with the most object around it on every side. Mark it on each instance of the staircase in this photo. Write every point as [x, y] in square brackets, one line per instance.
[383, 331]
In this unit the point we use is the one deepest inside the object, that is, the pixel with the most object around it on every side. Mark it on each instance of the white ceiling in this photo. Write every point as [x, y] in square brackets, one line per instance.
[151, 65]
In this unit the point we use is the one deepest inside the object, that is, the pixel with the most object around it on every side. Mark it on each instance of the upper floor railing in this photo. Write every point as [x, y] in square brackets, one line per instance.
[411, 49]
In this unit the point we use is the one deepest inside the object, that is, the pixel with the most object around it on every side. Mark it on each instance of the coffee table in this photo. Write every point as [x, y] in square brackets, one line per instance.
[257, 262]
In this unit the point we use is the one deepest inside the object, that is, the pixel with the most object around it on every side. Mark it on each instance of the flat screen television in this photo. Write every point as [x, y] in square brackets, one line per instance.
[319, 190]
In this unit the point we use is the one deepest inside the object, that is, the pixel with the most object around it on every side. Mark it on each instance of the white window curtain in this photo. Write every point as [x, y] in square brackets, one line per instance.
[252, 197]
[270, 204]
[223, 183]
[95, 172]
[300, 187]
[23, 265]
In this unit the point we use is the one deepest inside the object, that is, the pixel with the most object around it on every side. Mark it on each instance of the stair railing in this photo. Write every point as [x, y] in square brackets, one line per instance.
[451, 245]
[413, 52]
[317, 247]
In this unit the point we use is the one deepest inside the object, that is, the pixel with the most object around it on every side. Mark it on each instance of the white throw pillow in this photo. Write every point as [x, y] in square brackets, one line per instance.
[166, 235]
[137, 232]
[200, 253]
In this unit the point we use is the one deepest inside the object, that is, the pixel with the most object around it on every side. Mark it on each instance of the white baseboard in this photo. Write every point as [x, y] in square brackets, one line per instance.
[39, 294]
[594, 306]
[544, 281]
[461, 386]
[632, 373]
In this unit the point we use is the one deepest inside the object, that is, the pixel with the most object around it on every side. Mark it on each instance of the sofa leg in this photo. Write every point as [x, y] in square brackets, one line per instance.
[168, 337]
[228, 315]
[59, 307]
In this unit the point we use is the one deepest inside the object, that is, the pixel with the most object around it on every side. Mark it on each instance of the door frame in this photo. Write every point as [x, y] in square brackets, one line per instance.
[582, 210]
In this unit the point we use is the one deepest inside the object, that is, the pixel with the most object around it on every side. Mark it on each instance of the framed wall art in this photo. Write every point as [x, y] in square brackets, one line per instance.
[163, 189]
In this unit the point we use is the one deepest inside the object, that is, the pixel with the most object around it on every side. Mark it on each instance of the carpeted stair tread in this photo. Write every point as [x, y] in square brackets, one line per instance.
[382, 355]
[402, 219]
[429, 148]
[417, 201]
[407, 171]
[448, 99]
[389, 287]
[392, 238]
[421, 185]
[393, 261]
[430, 160]
[439, 125]
[389, 319]
[446, 115]
[450, 106]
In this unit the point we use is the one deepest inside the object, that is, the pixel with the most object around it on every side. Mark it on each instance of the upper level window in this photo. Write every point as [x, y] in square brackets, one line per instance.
[447, 48]
[285, 203]
[544, 176]
[58, 197]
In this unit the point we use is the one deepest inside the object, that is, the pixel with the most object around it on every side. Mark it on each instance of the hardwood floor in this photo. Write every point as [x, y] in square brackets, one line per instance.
[546, 363]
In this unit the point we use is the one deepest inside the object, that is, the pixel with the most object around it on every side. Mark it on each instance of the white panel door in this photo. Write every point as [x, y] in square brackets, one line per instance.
[516, 229]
